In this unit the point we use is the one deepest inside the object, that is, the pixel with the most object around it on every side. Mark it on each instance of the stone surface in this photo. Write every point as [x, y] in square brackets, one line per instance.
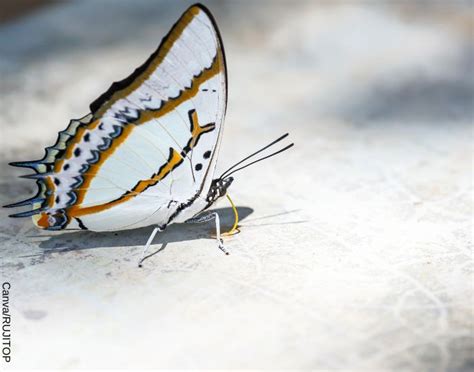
[356, 246]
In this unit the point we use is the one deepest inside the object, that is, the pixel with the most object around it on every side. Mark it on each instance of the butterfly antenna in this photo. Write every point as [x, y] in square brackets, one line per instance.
[252, 155]
[258, 160]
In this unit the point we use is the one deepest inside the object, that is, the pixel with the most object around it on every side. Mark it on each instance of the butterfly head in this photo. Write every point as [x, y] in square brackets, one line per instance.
[220, 185]
[218, 189]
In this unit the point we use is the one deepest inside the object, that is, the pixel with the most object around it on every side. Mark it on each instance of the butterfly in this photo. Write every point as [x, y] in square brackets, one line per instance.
[146, 153]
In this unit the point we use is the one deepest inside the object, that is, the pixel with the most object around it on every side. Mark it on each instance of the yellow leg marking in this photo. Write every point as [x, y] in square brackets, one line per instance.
[234, 230]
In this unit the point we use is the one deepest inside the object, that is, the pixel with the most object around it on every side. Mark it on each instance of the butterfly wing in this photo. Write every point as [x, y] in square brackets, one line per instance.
[147, 151]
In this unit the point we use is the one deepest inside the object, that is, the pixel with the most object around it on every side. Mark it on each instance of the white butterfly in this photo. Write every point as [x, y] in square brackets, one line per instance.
[146, 153]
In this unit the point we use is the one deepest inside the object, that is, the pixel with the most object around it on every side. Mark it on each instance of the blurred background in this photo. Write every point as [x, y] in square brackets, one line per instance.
[356, 245]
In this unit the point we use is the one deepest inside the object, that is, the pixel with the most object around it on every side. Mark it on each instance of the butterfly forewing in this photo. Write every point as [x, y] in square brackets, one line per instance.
[147, 152]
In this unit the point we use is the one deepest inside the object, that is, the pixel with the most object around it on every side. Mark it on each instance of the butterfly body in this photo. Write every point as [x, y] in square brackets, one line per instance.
[147, 151]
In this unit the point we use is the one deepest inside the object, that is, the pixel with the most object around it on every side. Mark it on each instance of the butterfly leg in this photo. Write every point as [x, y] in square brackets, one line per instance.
[148, 243]
[209, 217]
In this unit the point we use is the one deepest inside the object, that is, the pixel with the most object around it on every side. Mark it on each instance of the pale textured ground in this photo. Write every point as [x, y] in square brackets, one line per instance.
[356, 249]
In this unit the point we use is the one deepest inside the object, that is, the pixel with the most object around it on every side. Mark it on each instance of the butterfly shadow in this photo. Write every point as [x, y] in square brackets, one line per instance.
[82, 240]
